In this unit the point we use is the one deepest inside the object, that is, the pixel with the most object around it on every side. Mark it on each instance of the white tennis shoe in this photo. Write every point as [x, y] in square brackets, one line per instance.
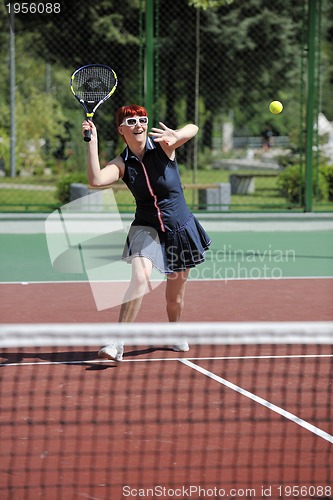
[113, 351]
[182, 346]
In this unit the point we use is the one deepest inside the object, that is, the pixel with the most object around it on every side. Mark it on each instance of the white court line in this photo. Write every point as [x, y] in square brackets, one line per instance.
[189, 280]
[145, 360]
[187, 361]
[263, 402]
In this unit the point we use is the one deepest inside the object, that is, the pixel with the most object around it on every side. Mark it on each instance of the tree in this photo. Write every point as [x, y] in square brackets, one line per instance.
[250, 51]
[249, 54]
[208, 4]
[326, 67]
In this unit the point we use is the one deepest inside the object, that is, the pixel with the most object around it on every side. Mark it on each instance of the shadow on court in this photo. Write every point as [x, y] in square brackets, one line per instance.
[71, 357]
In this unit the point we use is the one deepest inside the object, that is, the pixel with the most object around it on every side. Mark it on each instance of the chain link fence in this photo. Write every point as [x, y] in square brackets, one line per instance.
[216, 63]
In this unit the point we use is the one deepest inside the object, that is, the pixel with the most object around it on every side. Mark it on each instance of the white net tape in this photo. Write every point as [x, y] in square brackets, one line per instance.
[91, 334]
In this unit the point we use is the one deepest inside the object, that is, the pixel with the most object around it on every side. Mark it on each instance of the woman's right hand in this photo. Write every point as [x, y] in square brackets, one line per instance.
[89, 125]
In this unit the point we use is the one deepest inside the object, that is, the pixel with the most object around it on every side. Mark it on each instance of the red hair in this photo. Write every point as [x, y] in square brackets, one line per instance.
[128, 111]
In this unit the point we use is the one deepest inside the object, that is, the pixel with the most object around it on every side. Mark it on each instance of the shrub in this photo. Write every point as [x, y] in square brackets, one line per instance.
[64, 185]
[4, 151]
[289, 184]
[327, 172]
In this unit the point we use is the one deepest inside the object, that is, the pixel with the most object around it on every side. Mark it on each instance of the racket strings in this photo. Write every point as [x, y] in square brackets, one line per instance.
[93, 84]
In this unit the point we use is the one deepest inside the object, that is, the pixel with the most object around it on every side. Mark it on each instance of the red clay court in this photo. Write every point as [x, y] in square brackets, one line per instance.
[227, 419]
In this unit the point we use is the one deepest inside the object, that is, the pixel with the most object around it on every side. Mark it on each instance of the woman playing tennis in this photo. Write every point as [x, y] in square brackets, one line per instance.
[164, 233]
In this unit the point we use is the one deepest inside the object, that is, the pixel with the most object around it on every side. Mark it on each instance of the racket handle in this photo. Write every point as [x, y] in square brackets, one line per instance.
[87, 134]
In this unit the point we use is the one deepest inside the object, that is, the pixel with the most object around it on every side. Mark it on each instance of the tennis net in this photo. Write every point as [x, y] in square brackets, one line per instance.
[246, 413]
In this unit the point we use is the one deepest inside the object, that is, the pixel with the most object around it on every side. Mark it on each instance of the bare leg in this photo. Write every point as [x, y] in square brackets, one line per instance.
[141, 271]
[175, 290]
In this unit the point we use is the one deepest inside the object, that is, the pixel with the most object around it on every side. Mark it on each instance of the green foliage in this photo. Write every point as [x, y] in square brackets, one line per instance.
[327, 172]
[37, 136]
[326, 62]
[208, 4]
[292, 185]
[40, 120]
[247, 52]
[64, 185]
[289, 159]
[5, 150]
[261, 51]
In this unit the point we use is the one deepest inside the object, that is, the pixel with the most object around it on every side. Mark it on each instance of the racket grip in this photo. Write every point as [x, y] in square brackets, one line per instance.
[87, 136]
[87, 133]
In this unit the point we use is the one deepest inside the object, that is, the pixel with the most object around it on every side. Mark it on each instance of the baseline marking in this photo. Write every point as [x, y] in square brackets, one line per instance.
[147, 360]
[61, 282]
[263, 402]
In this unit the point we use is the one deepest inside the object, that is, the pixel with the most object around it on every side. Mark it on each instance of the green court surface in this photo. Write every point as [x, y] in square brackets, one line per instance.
[257, 253]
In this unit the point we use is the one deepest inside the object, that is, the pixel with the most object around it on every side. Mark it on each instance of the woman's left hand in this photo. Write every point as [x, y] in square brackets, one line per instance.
[164, 134]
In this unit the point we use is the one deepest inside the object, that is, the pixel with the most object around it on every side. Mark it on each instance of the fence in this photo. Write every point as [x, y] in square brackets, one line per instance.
[217, 63]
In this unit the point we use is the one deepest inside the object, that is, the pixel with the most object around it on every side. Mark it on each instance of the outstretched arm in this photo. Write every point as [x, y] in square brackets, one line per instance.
[98, 177]
[171, 139]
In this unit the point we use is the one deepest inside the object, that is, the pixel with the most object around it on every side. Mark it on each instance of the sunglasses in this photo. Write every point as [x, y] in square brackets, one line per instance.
[131, 122]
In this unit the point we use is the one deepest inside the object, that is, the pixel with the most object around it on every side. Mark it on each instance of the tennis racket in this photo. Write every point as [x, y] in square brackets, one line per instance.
[92, 85]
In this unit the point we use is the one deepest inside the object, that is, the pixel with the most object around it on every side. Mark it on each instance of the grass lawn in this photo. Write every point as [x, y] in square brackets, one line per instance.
[27, 199]
[34, 194]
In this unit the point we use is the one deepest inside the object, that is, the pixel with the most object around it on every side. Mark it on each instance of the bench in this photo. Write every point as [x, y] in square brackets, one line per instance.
[251, 142]
[245, 183]
[211, 196]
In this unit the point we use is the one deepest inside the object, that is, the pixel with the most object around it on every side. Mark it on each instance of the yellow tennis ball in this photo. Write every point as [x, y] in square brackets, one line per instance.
[275, 107]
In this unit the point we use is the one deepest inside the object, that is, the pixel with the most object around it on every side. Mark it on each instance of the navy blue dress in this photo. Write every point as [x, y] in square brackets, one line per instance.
[164, 230]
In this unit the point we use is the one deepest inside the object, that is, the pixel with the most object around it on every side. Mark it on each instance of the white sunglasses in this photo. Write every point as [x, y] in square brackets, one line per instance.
[131, 122]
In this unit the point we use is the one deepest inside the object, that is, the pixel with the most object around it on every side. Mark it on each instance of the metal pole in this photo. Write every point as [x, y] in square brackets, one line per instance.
[310, 104]
[12, 97]
[157, 63]
[302, 100]
[196, 103]
[141, 41]
[149, 69]
[318, 93]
